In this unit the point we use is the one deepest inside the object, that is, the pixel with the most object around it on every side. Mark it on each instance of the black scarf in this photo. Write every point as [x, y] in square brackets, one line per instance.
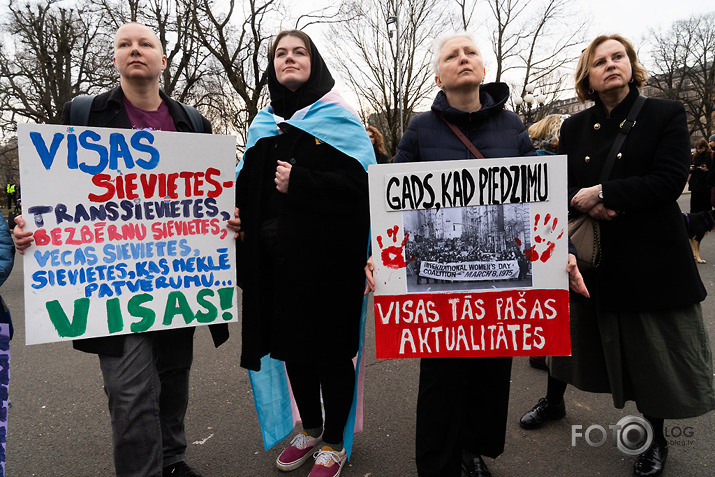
[286, 102]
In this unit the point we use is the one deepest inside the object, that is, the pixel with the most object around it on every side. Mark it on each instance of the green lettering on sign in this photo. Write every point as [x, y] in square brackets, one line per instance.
[176, 304]
[61, 322]
[146, 314]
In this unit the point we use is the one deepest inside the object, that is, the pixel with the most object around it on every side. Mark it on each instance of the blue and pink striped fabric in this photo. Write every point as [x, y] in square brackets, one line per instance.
[333, 121]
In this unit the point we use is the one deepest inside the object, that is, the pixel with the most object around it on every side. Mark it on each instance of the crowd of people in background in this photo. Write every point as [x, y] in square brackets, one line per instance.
[636, 332]
[702, 177]
[454, 250]
[378, 145]
[545, 134]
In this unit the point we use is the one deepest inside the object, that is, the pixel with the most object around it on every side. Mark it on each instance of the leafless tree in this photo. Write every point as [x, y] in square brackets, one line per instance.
[466, 12]
[367, 58]
[240, 52]
[684, 68]
[536, 41]
[188, 64]
[670, 59]
[9, 167]
[339, 13]
[49, 54]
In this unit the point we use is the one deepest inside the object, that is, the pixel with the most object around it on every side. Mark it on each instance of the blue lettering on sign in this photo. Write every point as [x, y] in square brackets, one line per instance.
[47, 156]
[101, 151]
[117, 155]
[148, 148]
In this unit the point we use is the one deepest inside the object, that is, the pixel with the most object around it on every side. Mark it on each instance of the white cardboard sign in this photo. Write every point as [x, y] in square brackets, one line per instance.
[130, 230]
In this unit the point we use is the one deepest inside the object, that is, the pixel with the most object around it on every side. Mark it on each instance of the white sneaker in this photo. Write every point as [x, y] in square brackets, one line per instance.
[300, 449]
[328, 463]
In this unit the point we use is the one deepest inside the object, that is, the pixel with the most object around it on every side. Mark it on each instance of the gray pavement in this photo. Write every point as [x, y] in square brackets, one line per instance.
[59, 425]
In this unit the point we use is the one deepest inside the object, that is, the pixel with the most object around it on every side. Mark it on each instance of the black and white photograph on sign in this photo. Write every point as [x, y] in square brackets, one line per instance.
[468, 248]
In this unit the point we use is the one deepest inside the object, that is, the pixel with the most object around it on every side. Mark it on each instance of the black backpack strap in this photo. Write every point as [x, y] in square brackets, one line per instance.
[625, 128]
[194, 116]
[82, 105]
[80, 109]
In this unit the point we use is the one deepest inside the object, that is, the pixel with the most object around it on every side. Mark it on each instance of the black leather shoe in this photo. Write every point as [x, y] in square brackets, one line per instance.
[542, 412]
[652, 461]
[538, 362]
[180, 469]
[474, 466]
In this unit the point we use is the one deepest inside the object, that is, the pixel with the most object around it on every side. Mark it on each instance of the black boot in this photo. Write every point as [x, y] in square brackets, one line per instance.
[474, 466]
[652, 461]
[538, 362]
[180, 469]
[542, 412]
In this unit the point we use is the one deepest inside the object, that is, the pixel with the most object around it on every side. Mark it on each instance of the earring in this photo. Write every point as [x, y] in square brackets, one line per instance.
[631, 81]
[591, 91]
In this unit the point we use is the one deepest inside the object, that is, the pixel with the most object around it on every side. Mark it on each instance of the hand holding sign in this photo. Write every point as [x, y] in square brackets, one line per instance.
[23, 239]
[369, 279]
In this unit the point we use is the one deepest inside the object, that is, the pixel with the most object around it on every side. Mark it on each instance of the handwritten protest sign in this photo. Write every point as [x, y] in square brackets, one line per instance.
[470, 258]
[130, 230]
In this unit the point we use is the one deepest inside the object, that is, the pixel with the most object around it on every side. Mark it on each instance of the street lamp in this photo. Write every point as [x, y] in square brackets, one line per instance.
[398, 61]
[529, 99]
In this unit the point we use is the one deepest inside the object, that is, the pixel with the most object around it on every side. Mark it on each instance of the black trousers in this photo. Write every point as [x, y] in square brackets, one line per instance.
[336, 378]
[462, 405]
[700, 201]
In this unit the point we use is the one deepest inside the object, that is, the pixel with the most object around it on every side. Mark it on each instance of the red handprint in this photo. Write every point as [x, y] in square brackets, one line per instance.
[547, 229]
[393, 256]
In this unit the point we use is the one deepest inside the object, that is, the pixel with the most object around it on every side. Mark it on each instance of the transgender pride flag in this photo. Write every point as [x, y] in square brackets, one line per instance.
[333, 121]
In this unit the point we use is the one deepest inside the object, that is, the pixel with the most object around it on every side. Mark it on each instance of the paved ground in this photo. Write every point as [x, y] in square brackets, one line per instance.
[59, 426]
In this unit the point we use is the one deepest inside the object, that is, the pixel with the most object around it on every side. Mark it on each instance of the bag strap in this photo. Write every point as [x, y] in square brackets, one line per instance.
[82, 105]
[625, 127]
[80, 109]
[472, 148]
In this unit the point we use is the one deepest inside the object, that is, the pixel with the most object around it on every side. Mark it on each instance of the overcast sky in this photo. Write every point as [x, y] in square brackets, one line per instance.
[633, 18]
[630, 18]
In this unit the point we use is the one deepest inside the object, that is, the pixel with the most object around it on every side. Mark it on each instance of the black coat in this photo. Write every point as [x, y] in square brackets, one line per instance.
[302, 255]
[445, 404]
[381, 158]
[647, 263]
[108, 111]
[699, 179]
[494, 131]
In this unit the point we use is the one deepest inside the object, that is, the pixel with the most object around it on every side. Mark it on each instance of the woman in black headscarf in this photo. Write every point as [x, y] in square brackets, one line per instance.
[303, 199]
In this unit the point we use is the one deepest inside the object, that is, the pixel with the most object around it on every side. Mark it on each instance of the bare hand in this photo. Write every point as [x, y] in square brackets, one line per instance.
[576, 283]
[22, 239]
[369, 268]
[235, 224]
[601, 212]
[586, 198]
[282, 176]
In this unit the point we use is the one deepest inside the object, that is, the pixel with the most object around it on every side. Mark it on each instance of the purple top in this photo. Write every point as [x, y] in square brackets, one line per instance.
[159, 120]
